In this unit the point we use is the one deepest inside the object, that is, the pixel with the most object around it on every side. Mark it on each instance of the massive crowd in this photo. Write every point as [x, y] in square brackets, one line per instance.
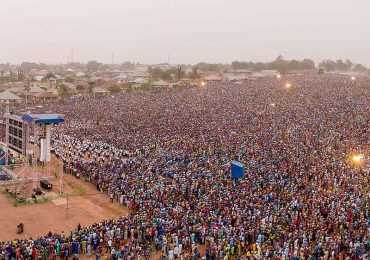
[166, 156]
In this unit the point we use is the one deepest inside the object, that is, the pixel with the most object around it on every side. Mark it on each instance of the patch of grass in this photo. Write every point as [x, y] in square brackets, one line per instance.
[23, 201]
[77, 189]
[81, 190]
[9, 196]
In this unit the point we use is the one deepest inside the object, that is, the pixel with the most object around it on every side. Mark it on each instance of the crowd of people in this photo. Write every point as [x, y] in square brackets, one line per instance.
[166, 156]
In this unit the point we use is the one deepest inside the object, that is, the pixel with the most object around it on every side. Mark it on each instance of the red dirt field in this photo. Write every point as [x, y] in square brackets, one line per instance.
[86, 206]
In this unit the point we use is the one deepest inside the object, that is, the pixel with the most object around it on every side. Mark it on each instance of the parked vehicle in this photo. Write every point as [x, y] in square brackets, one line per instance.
[37, 191]
[46, 185]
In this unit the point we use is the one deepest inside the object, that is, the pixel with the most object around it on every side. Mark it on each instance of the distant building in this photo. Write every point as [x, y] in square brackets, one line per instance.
[19, 91]
[266, 73]
[138, 74]
[52, 82]
[212, 78]
[185, 81]
[42, 73]
[58, 77]
[45, 83]
[243, 71]
[34, 90]
[160, 84]
[8, 97]
[38, 77]
[44, 96]
[140, 81]
[235, 77]
[121, 78]
[80, 74]
[98, 92]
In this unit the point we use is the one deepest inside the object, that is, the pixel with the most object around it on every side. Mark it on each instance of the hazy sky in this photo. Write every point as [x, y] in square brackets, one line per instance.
[189, 31]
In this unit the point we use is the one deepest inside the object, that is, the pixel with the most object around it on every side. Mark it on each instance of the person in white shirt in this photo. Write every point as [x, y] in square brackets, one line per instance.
[170, 254]
[176, 252]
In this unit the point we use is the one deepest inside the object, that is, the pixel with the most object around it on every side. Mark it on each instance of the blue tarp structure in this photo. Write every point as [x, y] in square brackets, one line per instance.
[10, 161]
[237, 170]
[44, 118]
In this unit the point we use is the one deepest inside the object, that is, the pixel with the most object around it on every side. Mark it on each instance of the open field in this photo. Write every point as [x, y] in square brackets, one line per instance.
[85, 206]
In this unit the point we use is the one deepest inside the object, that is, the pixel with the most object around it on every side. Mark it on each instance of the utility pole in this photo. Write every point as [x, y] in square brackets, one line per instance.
[61, 180]
[7, 115]
[67, 208]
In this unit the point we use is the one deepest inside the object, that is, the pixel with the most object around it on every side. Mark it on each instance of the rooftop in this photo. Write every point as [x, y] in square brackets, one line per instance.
[44, 118]
[7, 95]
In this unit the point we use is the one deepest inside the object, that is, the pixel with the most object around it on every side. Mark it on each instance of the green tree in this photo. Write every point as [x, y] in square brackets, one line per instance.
[340, 65]
[359, 68]
[146, 86]
[215, 67]
[129, 89]
[28, 66]
[349, 64]
[48, 76]
[91, 87]
[235, 65]
[63, 90]
[7, 79]
[293, 64]
[307, 64]
[328, 65]
[128, 65]
[27, 86]
[158, 73]
[79, 88]
[194, 73]
[180, 72]
[20, 75]
[93, 66]
[280, 65]
[114, 89]
[69, 79]
[279, 58]
[155, 73]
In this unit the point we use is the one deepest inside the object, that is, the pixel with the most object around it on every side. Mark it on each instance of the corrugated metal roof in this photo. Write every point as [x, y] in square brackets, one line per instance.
[7, 95]
[44, 118]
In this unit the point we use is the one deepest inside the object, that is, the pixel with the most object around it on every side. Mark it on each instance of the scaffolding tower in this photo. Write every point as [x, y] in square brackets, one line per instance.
[18, 130]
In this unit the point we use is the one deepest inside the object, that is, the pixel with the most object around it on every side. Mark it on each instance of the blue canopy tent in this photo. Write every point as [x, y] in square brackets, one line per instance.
[43, 118]
[237, 170]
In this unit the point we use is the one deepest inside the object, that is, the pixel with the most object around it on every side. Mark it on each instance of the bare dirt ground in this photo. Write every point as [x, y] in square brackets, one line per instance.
[85, 206]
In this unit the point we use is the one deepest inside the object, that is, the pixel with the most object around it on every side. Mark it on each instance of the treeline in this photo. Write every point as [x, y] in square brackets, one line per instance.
[279, 64]
[283, 66]
[177, 72]
[215, 67]
[28, 66]
[339, 65]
